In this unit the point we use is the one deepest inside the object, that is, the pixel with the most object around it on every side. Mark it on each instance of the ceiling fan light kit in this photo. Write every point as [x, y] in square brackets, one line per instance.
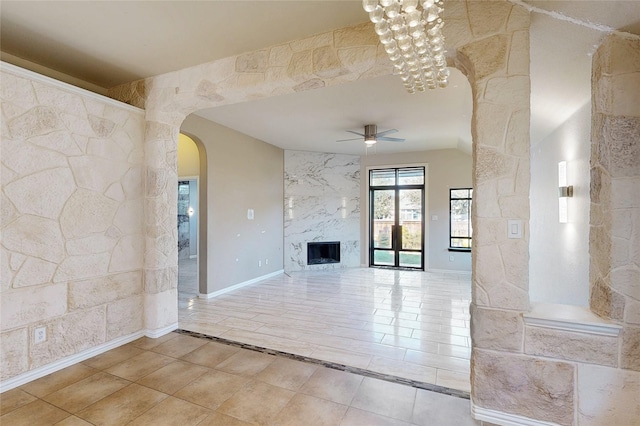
[411, 32]
[371, 135]
[370, 131]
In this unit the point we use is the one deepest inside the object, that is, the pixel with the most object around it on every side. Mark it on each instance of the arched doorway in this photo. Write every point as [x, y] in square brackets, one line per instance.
[487, 41]
[192, 216]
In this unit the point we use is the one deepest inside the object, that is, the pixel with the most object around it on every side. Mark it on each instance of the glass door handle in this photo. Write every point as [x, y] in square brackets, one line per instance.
[393, 237]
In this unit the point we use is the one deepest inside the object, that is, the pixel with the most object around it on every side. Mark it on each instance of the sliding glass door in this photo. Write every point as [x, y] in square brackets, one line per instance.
[396, 217]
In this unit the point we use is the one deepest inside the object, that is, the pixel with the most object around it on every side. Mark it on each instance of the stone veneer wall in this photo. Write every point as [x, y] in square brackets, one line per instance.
[321, 203]
[559, 368]
[489, 42]
[516, 370]
[615, 190]
[72, 208]
[615, 211]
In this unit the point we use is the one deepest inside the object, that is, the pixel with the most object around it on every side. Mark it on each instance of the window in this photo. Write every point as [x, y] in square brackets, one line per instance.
[460, 230]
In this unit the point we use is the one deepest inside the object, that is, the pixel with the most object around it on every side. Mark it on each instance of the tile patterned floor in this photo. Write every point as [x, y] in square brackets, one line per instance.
[409, 324]
[183, 380]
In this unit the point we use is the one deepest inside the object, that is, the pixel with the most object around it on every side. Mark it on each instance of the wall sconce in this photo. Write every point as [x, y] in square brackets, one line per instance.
[564, 192]
[290, 210]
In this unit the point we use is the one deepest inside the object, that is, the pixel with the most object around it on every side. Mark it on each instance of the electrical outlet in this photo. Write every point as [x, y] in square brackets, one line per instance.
[40, 335]
[259, 263]
[266, 261]
[450, 258]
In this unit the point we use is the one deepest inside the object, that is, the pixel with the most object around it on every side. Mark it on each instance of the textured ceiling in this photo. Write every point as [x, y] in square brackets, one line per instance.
[110, 42]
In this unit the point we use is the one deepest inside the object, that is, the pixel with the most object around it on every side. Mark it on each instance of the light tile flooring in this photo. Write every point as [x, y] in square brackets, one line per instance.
[183, 380]
[408, 324]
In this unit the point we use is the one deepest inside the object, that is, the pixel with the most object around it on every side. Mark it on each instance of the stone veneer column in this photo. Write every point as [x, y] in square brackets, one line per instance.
[161, 198]
[496, 61]
[614, 241]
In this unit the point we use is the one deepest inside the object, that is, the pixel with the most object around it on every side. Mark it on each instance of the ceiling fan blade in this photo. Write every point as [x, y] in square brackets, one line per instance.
[346, 140]
[387, 132]
[391, 139]
[356, 133]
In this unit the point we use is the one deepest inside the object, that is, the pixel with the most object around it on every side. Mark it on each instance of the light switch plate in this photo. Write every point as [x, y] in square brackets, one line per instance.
[514, 229]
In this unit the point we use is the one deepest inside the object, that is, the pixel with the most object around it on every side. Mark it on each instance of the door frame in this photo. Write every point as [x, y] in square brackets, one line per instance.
[367, 221]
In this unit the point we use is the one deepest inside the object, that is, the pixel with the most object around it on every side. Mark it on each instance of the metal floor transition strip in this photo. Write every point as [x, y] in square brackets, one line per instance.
[334, 365]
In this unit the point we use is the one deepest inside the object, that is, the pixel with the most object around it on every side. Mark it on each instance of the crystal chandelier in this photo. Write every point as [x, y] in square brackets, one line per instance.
[410, 31]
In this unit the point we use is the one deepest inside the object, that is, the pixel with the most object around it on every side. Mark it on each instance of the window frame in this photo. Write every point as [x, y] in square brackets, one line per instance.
[469, 198]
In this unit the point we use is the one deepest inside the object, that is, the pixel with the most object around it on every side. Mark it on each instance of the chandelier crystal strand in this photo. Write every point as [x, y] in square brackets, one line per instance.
[411, 33]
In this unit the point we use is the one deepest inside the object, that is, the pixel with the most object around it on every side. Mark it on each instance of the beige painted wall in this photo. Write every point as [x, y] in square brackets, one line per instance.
[559, 252]
[72, 209]
[188, 157]
[446, 168]
[243, 173]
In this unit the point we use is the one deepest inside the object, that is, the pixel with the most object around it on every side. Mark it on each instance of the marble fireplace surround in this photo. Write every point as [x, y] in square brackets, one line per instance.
[321, 204]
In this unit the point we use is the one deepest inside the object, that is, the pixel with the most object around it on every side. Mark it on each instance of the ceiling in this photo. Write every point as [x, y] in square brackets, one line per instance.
[106, 43]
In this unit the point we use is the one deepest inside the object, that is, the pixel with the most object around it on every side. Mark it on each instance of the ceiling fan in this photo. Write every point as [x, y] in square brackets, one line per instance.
[371, 136]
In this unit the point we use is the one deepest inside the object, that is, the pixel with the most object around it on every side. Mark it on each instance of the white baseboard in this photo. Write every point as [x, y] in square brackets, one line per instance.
[70, 360]
[504, 419]
[238, 286]
[159, 332]
[448, 271]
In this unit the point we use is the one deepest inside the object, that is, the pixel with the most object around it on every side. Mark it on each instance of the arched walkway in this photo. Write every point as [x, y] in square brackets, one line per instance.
[203, 213]
[488, 41]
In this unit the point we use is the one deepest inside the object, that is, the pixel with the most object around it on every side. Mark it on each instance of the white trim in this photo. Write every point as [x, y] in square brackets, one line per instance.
[450, 271]
[612, 330]
[22, 72]
[577, 319]
[159, 332]
[504, 419]
[70, 360]
[67, 361]
[238, 286]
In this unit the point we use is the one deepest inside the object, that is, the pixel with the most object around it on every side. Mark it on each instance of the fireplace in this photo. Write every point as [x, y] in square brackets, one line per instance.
[322, 253]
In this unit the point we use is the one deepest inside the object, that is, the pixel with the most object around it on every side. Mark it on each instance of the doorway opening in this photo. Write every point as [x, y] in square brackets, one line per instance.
[396, 217]
[189, 212]
[188, 235]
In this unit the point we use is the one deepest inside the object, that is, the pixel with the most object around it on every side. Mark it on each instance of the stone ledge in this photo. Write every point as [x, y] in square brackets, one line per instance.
[569, 318]
[25, 73]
